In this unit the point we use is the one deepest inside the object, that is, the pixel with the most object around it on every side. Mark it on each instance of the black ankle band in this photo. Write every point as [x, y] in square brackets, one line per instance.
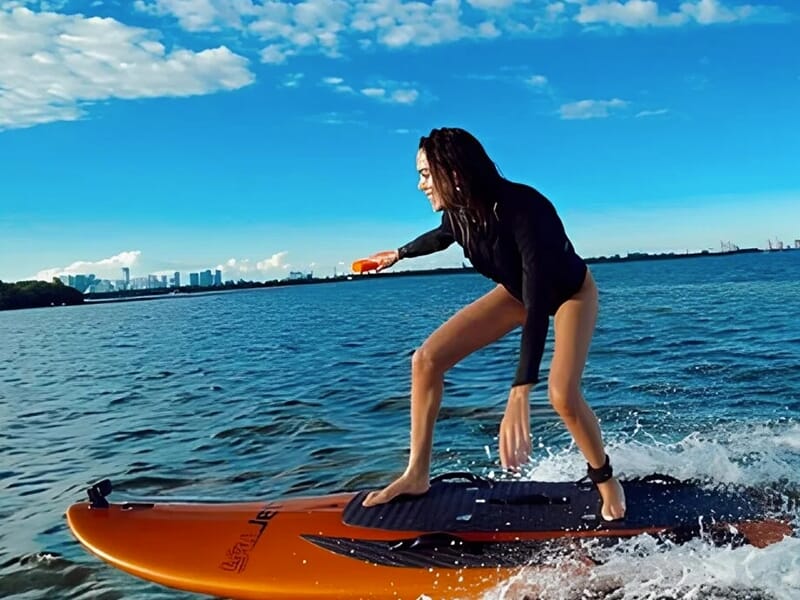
[600, 474]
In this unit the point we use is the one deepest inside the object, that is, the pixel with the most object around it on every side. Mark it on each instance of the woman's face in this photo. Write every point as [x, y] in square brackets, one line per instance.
[425, 184]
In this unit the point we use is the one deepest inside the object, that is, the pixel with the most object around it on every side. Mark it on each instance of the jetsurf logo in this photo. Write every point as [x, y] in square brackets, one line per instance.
[238, 555]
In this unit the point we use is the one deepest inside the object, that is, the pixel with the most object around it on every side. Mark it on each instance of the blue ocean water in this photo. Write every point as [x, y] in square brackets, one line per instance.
[694, 371]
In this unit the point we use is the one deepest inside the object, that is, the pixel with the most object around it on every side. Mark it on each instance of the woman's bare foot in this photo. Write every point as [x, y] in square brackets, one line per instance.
[613, 499]
[405, 484]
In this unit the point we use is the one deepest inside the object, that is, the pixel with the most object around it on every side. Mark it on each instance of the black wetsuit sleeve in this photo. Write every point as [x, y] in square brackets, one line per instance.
[534, 296]
[430, 242]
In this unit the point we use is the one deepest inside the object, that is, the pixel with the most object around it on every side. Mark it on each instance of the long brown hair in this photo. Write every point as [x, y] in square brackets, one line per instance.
[464, 176]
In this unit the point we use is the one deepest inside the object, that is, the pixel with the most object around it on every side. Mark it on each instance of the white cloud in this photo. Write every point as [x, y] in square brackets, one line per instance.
[54, 65]
[292, 80]
[276, 261]
[200, 15]
[107, 268]
[555, 10]
[330, 27]
[275, 55]
[404, 96]
[652, 113]
[488, 29]
[646, 13]
[591, 109]
[514, 76]
[537, 81]
[707, 12]
[385, 91]
[491, 4]
[392, 92]
[374, 92]
[397, 24]
[398, 92]
[633, 13]
[289, 28]
[336, 118]
[235, 268]
[325, 25]
[338, 84]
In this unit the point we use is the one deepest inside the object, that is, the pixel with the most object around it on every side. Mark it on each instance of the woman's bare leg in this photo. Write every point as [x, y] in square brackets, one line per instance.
[476, 325]
[574, 325]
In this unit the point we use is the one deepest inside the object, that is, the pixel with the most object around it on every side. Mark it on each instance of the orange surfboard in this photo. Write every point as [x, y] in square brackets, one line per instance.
[461, 539]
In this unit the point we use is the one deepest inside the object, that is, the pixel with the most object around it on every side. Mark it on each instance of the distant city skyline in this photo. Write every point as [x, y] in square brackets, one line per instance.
[91, 283]
[206, 279]
[261, 138]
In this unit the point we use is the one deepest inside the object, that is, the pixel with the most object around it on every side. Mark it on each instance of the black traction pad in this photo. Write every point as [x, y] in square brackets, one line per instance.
[481, 505]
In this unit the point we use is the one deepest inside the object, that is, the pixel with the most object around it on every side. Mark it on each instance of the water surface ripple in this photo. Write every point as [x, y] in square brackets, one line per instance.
[694, 370]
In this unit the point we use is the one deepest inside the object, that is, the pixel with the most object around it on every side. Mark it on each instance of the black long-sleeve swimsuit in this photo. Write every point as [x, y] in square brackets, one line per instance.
[525, 249]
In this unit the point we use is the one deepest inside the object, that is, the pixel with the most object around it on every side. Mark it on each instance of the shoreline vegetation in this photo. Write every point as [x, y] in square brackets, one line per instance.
[37, 294]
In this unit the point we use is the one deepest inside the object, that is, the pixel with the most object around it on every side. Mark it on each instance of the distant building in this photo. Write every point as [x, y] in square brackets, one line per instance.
[176, 280]
[217, 277]
[126, 277]
[206, 280]
[100, 286]
[194, 279]
[295, 275]
[80, 282]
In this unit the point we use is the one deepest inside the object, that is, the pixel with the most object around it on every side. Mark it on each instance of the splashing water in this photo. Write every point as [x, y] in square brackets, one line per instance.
[643, 568]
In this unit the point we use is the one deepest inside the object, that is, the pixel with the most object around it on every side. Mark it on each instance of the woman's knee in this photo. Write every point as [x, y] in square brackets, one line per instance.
[565, 398]
[426, 362]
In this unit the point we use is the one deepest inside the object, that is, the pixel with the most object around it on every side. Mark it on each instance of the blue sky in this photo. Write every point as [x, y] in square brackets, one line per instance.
[260, 137]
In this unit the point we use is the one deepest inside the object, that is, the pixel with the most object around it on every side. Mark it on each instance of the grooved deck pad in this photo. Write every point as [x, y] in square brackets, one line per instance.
[467, 506]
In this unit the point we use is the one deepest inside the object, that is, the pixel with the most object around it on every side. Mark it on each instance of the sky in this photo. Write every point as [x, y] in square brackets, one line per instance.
[263, 137]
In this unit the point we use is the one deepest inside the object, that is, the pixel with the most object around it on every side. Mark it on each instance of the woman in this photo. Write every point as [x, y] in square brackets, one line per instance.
[511, 234]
